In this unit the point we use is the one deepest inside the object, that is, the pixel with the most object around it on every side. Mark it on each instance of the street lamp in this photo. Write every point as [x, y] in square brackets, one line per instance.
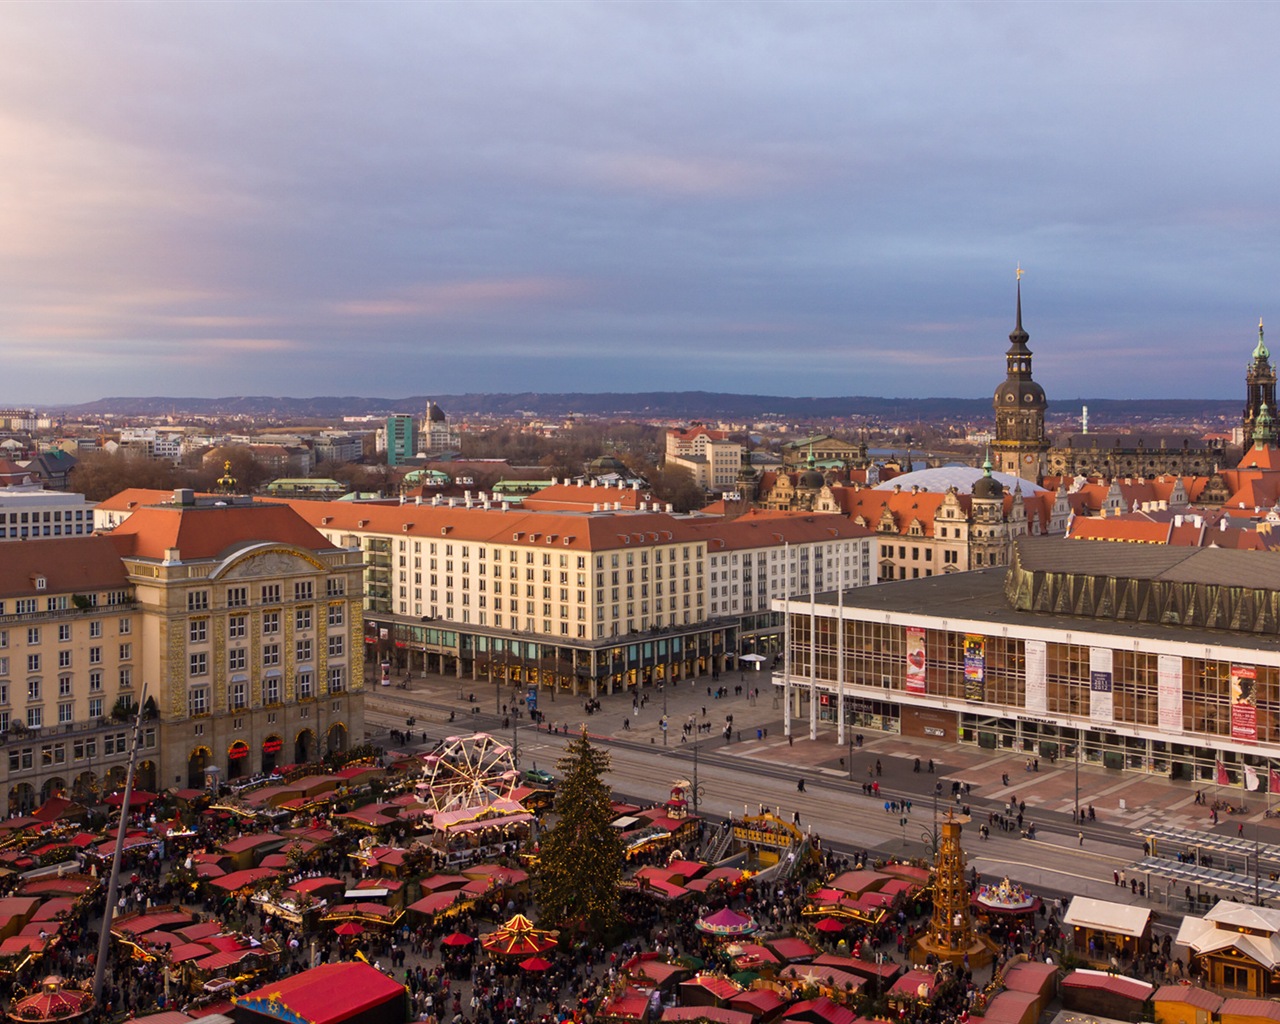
[930, 835]
[697, 788]
[1077, 776]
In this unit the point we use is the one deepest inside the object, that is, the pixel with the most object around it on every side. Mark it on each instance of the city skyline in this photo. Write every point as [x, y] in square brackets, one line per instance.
[800, 198]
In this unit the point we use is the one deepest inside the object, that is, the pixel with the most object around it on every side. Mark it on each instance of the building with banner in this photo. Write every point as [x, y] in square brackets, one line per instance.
[1144, 658]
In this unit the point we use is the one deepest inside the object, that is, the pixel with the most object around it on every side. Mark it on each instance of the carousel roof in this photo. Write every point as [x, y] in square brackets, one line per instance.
[51, 1002]
[518, 937]
[726, 922]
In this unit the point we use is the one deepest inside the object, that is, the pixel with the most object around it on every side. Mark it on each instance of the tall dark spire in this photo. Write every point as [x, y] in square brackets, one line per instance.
[1018, 357]
[1018, 276]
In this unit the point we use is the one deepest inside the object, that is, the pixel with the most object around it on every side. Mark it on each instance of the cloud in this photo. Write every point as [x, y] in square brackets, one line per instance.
[627, 195]
[451, 299]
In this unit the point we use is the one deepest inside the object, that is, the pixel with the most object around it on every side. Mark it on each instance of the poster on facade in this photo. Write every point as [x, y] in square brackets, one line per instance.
[1244, 703]
[1036, 656]
[1169, 693]
[975, 667]
[1101, 703]
[916, 660]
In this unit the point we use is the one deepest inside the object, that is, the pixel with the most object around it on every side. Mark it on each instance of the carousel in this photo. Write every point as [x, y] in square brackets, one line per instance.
[1006, 899]
[726, 924]
[53, 1001]
[518, 938]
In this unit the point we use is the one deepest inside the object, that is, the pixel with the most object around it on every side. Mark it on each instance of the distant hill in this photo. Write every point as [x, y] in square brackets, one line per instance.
[676, 405]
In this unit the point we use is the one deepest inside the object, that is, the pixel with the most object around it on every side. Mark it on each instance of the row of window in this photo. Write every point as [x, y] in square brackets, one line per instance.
[35, 687]
[268, 593]
[238, 625]
[50, 754]
[238, 657]
[198, 697]
[35, 662]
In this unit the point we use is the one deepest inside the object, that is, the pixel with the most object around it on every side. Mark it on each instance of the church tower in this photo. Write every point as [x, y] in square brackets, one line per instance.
[1260, 392]
[1020, 446]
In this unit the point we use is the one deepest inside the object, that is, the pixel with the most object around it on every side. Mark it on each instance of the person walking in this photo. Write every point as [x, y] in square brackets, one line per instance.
[1080, 837]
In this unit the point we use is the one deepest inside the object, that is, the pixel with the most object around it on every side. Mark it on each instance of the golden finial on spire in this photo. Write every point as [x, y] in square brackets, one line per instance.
[1018, 274]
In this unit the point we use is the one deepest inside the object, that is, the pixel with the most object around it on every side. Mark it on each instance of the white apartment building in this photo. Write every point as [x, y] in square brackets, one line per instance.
[583, 602]
[709, 455]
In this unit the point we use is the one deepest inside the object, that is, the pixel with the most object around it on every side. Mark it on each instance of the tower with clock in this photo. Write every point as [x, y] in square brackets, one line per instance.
[1020, 447]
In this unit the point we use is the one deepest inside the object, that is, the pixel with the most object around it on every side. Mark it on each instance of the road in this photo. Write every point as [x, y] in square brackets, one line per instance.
[832, 806]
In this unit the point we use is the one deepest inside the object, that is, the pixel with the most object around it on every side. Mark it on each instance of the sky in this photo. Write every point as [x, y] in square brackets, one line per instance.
[792, 198]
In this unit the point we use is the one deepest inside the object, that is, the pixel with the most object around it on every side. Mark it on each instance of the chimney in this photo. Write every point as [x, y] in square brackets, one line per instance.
[670, 507]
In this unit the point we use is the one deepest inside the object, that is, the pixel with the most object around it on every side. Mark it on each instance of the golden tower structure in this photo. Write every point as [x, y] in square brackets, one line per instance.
[951, 935]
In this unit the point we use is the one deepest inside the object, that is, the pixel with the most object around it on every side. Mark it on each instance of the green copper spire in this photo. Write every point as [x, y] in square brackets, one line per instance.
[1262, 431]
[986, 464]
[1261, 351]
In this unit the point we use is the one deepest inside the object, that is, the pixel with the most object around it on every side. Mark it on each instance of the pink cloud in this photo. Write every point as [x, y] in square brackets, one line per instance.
[439, 300]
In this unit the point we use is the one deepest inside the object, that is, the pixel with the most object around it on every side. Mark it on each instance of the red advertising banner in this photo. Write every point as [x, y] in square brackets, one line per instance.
[1244, 703]
[917, 662]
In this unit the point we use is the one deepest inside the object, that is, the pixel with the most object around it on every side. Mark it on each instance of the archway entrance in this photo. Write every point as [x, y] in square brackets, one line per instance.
[199, 759]
[237, 760]
[53, 787]
[271, 748]
[85, 789]
[145, 776]
[336, 741]
[22, 799]
[304, 747]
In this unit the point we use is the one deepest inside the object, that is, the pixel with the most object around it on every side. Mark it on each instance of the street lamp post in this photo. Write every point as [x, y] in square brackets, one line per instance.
[849, 737]
[930, 835]
[1077, 776]
[697, 787]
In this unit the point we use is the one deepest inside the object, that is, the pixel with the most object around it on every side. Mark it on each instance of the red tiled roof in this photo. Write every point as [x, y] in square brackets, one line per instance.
[575, 497]
[209, 531]
[569, 530]
[68, 565]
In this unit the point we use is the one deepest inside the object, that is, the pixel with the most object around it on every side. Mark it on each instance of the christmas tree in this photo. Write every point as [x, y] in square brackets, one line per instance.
[580, 860]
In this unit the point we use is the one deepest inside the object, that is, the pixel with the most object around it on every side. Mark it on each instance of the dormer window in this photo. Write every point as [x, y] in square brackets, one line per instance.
[41, 582]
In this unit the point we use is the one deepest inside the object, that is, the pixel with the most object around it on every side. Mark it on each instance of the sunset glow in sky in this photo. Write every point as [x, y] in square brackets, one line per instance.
[824, 199]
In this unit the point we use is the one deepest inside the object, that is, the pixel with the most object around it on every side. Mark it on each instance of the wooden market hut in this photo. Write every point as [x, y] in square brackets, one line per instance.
[1237, 946]
[1101, 929]
[1106, 995]
[1185, 1004]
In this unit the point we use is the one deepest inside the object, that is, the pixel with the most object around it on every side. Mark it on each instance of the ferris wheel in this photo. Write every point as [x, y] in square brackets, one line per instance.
[467, 771]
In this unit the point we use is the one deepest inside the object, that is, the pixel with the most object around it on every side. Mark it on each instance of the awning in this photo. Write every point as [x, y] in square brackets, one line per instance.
[1103, 915]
